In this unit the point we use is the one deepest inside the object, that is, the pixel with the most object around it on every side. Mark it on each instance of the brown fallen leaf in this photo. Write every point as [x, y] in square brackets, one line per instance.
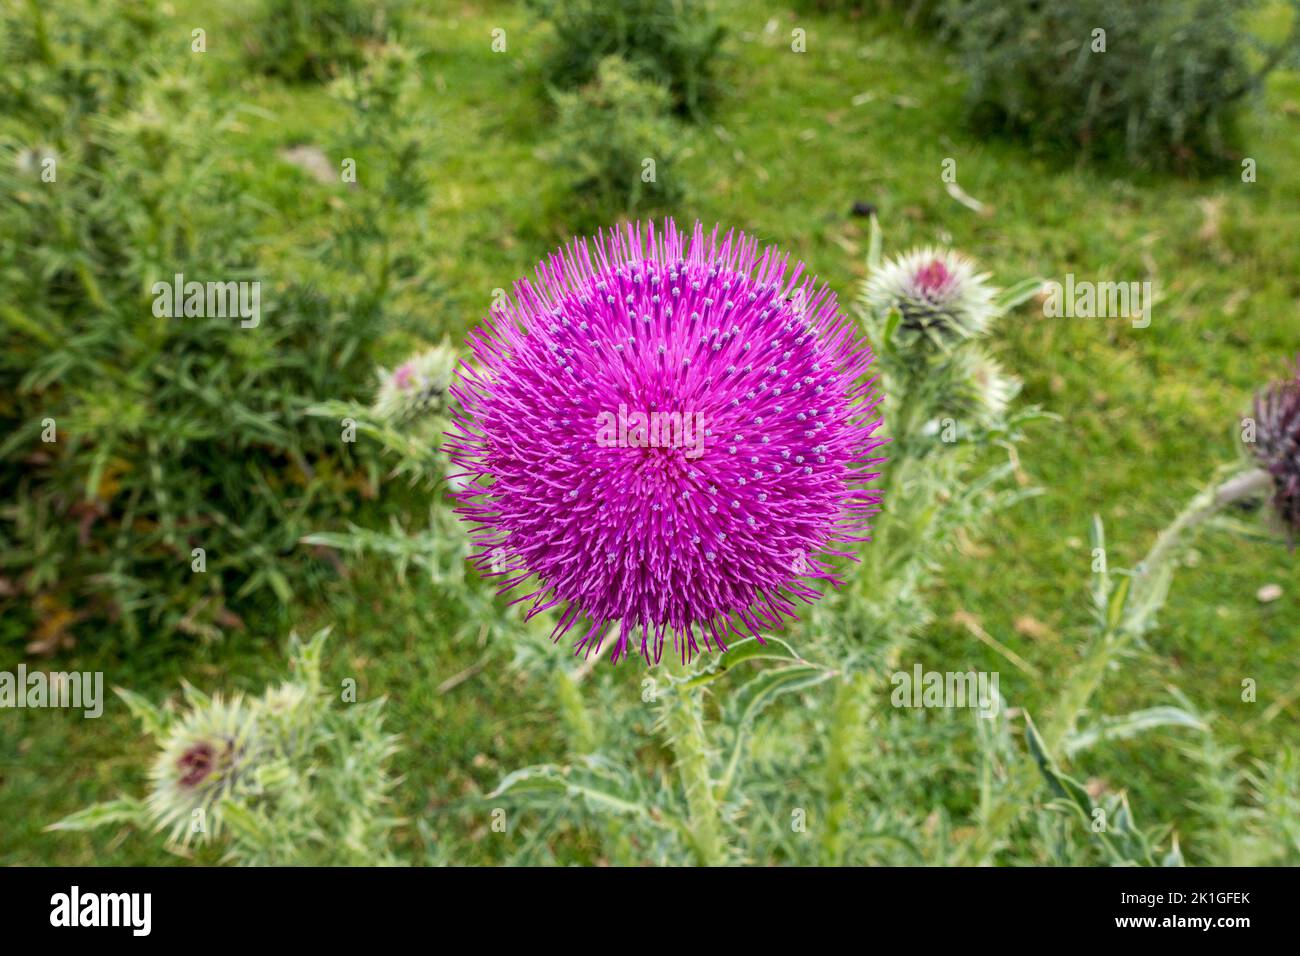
[52, 632]
[1032, 627]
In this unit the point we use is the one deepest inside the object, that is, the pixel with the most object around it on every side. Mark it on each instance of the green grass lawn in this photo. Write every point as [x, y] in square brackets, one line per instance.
[869, 112]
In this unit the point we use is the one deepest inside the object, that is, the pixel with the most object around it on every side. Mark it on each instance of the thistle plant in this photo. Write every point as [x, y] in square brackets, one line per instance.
[928, 313]
[407, 415]
[291, 777]
[1125, 608]
[417, 388]
[604, 133]
[937, 295]
[673, 435]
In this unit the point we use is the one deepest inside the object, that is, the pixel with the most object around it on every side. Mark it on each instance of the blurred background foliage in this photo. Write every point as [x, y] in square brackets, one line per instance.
[483, 134]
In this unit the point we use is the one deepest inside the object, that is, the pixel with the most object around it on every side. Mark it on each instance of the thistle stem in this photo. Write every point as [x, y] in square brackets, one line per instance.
[1204, 506]
[846, 717]
[580, 733]
[684, 726]
[1143, 598]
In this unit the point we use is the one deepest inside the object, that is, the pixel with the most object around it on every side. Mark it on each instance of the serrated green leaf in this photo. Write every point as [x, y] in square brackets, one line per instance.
[123, 810]
[152, 719]
[599, 786]
[756, 694]
[1020, 292]
[749, 649]
[1062, 785]
[1130, 725]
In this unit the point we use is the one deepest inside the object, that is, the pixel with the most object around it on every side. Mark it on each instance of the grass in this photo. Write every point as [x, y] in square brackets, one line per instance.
[869, 112]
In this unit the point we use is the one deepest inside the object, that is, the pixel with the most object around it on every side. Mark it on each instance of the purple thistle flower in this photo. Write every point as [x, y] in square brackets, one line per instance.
[1277, 445]
[671, 433]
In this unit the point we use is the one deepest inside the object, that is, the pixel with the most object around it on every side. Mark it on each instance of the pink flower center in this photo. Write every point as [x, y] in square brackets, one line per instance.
[933, 277]
[195, 764]
[402, 377]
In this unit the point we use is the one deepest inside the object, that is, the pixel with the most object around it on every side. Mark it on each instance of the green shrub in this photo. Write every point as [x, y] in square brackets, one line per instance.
[616, 144]
[60, 68]
[315, 39]
[129, 438]
[674, 42]
[1163, 93]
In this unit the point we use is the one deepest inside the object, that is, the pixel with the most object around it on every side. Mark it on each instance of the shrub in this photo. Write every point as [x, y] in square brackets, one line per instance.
[131, 439]
[617, 145]
[60, 68]
[1163, 93]
[674, 42]
[315, 39]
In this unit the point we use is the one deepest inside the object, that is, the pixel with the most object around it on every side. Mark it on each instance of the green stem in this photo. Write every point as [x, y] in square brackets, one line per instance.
[684, 726]
[580, 733]
[846, 718]
[1143, 599]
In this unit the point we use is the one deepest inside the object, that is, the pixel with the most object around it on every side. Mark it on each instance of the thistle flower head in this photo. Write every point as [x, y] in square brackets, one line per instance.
[1277, 445]
[977, 389]
[669, 432]
[204, 756]
[938, 295]
[416, 387]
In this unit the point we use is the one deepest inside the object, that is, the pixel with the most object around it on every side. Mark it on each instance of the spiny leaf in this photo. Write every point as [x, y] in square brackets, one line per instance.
[1020, 292]
[756, 694]
[600, 786]
[1060, 784]
[1130, 725]
[123, 810]
[750, 649]
[151, 718]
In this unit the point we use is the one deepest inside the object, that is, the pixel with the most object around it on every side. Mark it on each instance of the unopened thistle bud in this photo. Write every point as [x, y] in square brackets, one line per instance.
[938, 295]
[417, 387]
[976, 387]
[203, 758]
[1277, 445]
